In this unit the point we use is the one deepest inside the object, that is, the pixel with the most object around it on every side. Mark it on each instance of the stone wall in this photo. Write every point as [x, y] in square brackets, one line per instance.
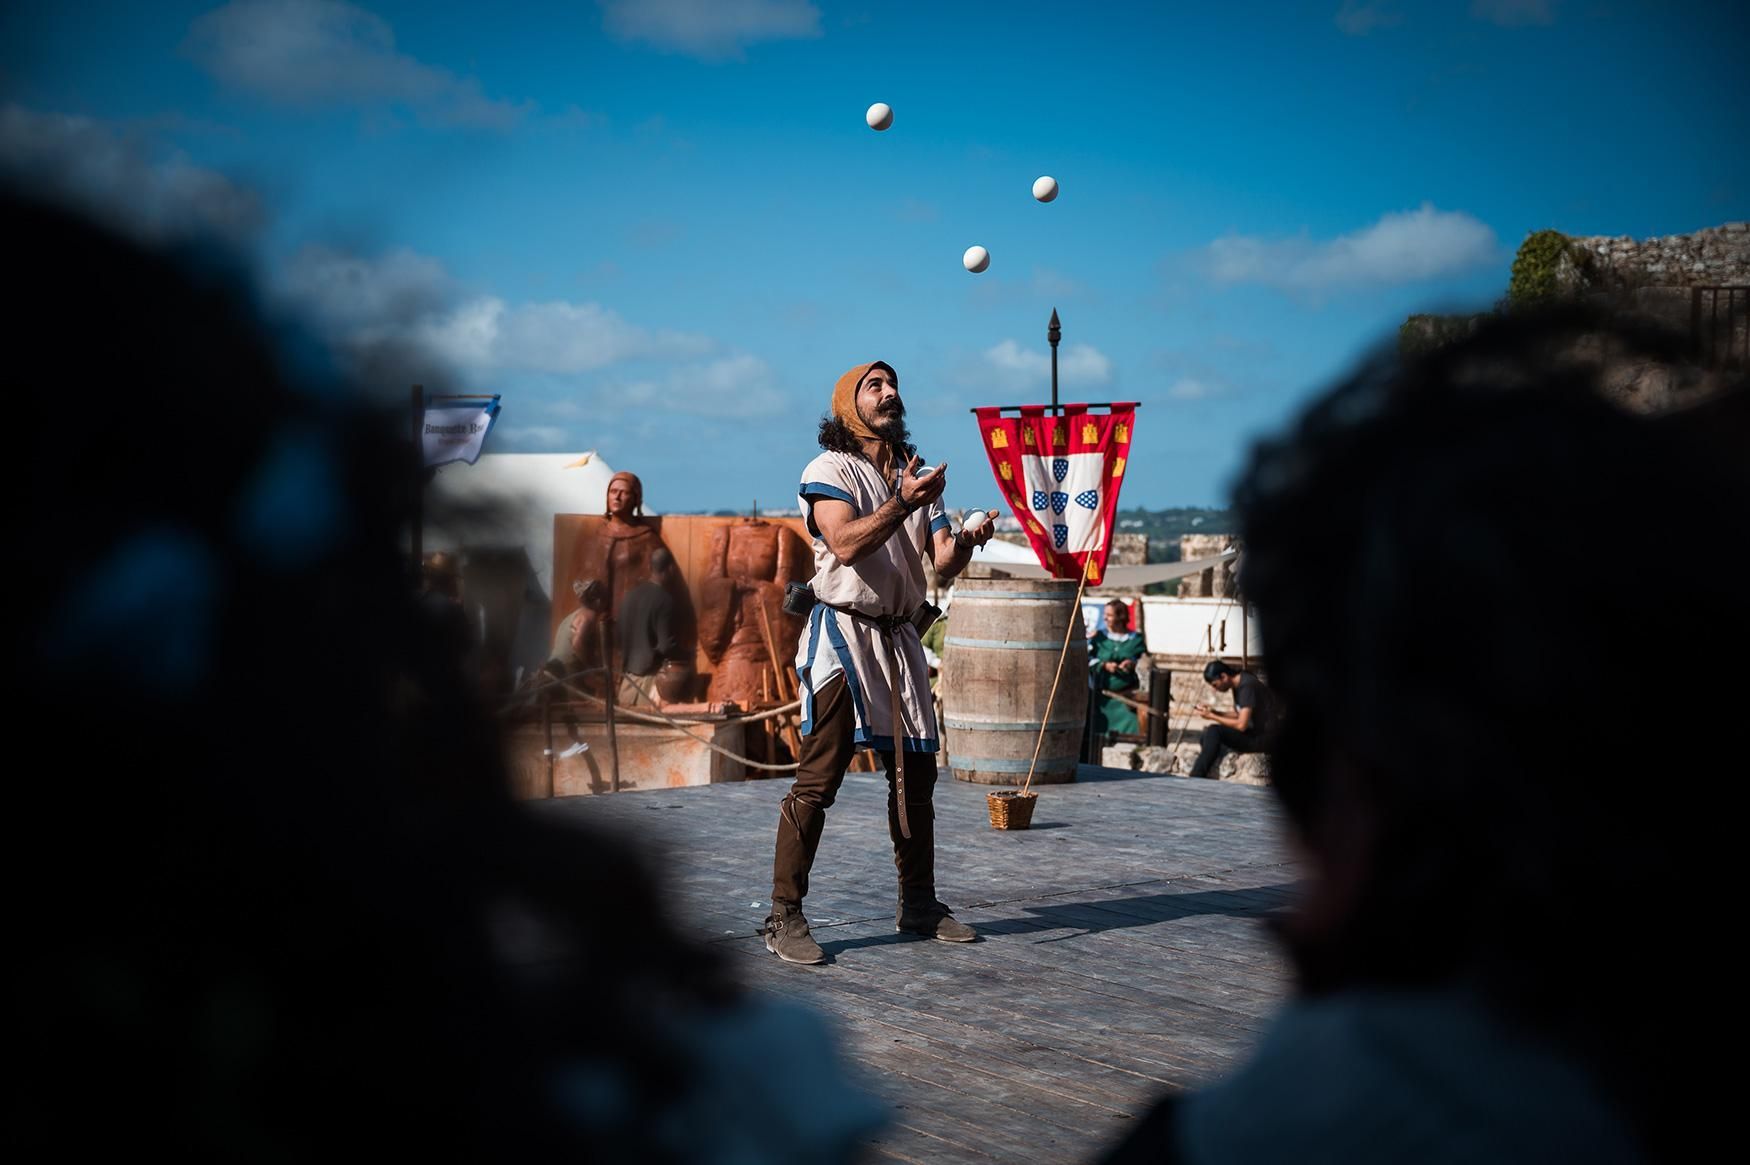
[1214, 582]
[1128, 550]
[1669, 282]
[1715, 257]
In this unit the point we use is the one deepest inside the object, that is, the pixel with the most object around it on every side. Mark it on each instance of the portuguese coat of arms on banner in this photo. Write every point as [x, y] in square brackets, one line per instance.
[1060, 476]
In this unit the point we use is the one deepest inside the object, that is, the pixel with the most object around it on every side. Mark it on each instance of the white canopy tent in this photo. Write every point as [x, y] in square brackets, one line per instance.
[1020, 562]
[507, 501]
[499, 510]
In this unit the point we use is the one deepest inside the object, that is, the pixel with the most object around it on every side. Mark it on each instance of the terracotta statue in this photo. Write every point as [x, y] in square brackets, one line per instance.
[618, 553]
[750, 563]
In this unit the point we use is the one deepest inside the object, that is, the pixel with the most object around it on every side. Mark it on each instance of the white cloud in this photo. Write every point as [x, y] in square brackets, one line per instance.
[1360, 17]
[737, 385]
[1190, 388]
[578, 337]
[323, 52]
[1076, 364]
[348, 291]
[1514, 13]
[711, 30]
[153, 195]
[1400, 248]
[407, 301]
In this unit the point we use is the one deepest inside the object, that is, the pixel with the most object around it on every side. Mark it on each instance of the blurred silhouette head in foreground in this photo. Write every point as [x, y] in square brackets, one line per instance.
[1503, 805]
[1494, 781]
[272, 894]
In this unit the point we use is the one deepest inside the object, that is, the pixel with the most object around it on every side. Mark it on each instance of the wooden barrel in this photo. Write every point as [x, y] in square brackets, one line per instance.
[999, 657]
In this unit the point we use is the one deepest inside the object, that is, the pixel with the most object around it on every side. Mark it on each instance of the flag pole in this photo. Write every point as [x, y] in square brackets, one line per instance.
[1054, 333]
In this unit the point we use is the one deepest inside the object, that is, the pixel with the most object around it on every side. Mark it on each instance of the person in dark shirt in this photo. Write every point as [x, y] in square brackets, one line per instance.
[650, 632]
[1245, 729]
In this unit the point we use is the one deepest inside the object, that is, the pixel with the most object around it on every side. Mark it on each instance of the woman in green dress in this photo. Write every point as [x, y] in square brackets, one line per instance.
[1112, 656]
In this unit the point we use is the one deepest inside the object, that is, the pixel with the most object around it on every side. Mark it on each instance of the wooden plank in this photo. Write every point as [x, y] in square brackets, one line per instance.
[1123, 952]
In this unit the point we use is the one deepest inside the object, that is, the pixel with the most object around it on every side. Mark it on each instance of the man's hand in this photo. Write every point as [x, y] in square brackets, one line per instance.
[978, 537]
[1109, 665]
[917, 491]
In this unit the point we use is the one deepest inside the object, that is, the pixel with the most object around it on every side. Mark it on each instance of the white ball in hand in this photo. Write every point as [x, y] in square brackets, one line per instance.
[1045, 188]
[880, 115]
[974, 520]
[976, 259]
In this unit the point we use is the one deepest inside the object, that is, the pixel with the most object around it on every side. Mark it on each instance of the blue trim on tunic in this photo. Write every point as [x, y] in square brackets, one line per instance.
[809, 490]
[805, 673]
[939, 522]
[862, 736]
[837, 638]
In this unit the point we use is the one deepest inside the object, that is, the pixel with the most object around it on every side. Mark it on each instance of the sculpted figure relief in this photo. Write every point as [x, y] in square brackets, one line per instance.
[750, 563]
[619, 552]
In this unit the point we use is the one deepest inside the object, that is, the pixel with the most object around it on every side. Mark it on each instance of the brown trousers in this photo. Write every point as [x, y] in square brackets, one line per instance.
[826, 753]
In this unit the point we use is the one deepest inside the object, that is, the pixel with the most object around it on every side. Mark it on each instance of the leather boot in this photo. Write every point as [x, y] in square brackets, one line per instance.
[787, 935]
[923, 913]
[799, 829]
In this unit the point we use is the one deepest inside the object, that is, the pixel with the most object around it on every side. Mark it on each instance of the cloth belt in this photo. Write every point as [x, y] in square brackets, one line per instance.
[887, 625]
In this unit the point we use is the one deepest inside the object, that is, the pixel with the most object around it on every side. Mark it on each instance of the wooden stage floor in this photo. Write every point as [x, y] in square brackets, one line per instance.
[1123, 951]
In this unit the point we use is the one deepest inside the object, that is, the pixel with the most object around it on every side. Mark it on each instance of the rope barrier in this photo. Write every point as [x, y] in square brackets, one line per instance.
[652, 717]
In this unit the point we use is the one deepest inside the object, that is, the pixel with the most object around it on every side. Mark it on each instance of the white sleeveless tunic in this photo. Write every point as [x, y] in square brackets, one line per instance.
[890, 581]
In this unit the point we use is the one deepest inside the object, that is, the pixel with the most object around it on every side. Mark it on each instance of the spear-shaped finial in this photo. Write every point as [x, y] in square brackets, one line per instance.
[1054, 333]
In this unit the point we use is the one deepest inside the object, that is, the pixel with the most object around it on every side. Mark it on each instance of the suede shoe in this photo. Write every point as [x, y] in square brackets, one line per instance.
[787, 936]
[933, 920]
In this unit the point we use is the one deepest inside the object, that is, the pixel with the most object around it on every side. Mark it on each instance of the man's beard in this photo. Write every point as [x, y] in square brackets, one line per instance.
[890, 426]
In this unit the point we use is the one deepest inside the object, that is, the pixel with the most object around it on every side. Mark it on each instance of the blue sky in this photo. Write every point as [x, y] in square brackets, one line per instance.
[661, 228]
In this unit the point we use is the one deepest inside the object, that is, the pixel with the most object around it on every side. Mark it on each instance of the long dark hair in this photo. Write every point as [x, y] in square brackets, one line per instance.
[836, 437]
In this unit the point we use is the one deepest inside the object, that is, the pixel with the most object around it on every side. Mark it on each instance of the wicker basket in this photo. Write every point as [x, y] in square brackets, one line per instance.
[1011, 808]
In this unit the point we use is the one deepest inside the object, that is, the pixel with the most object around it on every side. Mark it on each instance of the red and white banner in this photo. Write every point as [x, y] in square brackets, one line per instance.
[1060, 476]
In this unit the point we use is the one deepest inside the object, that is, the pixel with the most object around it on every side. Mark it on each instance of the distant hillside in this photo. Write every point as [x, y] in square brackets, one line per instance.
[1165, 527]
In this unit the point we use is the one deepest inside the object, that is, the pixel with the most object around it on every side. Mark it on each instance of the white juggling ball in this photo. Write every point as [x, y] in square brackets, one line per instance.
[880, 115]
[1045, 188]
[976, 259]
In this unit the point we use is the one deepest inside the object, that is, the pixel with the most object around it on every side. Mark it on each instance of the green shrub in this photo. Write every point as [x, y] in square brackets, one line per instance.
[1535, 267]
[1424, 333]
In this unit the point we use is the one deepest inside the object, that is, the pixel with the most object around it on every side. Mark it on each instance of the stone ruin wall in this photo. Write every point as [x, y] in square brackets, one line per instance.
[1715, 257]
[1213, 582]
[1656, 281]
[1661, 281]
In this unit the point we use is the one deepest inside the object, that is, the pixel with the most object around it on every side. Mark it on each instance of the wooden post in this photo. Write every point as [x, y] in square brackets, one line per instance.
[1160, 696]
[1245, 637]
[547, 731]
[612, 693]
